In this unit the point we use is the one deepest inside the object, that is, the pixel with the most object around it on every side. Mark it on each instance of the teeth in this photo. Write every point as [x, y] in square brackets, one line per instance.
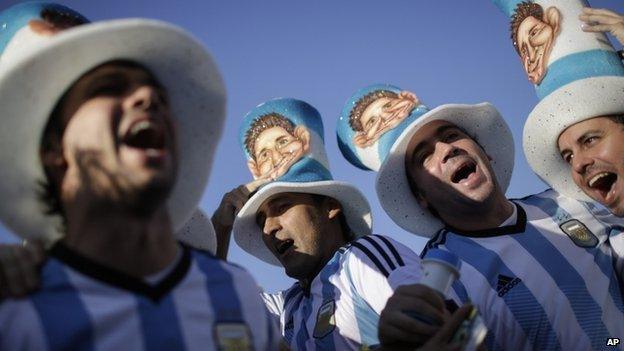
[140, 126]
[596, 178]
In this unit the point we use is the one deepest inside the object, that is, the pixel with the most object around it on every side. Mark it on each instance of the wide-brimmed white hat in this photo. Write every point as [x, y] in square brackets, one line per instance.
[198, 232]
[310, 175]
[31, 85]
[387, 155]
[584, 79]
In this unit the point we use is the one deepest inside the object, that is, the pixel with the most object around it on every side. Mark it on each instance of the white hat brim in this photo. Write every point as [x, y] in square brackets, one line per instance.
[248, 234]
[198, 232]
[30, 88]
[481, 121]
[568, 105]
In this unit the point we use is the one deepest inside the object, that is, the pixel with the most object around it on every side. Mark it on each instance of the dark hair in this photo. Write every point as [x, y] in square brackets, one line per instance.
[617, 119]
[263, 123]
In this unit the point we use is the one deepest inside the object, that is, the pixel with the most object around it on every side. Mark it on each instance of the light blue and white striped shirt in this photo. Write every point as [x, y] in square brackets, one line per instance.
[202, 303]
[340, 310]
[547, 281]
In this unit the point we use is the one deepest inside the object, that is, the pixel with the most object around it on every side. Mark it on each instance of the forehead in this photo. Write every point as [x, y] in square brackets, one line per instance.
[124, 71]
[377, 103]
[296, 198]
[431, 130]
[573, 132]
[526, 24]
[271, 134]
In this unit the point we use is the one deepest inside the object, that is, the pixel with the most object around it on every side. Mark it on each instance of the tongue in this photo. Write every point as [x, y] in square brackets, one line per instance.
[463, 173]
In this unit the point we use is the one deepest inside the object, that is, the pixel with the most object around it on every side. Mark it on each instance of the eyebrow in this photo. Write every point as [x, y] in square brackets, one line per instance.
[584, 135]
[423, 143]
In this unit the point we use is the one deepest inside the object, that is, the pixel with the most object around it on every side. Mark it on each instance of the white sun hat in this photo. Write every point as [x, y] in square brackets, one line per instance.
[32, 79]
[584, 79]
[309, 174]
[198, 232]
[387, 157]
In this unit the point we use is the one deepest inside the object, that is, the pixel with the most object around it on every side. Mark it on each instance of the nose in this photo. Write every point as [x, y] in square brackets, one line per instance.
[271, 226]
[580, 162]
[447, 150]
[145, 98]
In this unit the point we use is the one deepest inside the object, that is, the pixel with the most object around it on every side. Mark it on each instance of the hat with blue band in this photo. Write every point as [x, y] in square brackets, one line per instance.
[386, 154]
[578, 76]
[283, 141]
[46, 48]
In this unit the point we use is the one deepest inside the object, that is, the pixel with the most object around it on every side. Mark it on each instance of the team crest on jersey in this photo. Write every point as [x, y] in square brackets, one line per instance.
[325, 319]
[579, 233]
[233, 337]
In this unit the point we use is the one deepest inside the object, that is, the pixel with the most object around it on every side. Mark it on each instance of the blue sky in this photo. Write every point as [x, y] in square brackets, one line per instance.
[446, 51]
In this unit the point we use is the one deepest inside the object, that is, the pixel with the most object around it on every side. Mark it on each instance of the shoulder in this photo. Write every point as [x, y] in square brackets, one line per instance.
[379, 252]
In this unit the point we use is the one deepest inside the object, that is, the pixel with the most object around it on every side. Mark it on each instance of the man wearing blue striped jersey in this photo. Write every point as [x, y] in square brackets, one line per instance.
[99, 124]
[540, 269]
[318, 229]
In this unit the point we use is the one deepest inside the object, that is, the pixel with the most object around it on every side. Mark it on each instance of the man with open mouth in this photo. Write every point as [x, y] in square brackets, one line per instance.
[97, 132]
[319, 230]
[444, 177]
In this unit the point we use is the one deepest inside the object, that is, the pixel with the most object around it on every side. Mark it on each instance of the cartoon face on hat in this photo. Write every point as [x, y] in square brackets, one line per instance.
[378, 112]
[279, 134]
[274, 144]
[372, 119]
[533, 32]
[24, 26]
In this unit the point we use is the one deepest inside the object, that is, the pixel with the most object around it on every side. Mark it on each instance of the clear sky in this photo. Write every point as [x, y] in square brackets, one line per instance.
[446, 51]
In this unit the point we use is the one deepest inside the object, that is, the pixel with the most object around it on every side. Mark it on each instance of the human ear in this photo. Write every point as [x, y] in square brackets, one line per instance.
[552, 17]
[333, 208]
[303, 134]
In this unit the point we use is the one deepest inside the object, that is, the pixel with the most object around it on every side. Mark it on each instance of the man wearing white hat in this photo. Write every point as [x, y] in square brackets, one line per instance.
[572, 138]
[109, 132]
[526, 263]
[318, 229]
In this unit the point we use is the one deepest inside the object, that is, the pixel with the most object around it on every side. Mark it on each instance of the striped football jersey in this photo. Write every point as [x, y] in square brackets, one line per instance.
[547, 281]
[340, 309]
[202, 303]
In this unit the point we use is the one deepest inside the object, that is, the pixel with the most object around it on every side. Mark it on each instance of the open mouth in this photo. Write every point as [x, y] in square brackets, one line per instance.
[284, 245]
[603, 182]
[145, 134]
[464, 171]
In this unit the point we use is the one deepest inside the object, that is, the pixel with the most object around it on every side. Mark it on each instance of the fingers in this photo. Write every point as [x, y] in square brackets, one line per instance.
[253, 186]
[599, 19]
[419, 291]
[399, 327]
[449, 328]
[596, 28]
[601, 12]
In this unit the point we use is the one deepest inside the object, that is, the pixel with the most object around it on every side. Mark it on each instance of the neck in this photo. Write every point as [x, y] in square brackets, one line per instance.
[481, 216]
[137, 246]
[338, 235]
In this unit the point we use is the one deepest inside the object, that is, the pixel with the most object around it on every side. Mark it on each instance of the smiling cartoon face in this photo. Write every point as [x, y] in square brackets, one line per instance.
[378, 112]
[533, 32]
[275, 144]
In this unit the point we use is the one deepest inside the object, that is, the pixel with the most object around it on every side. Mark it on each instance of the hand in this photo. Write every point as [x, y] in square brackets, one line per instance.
[441, 340]
[602, 20]
[233, 202]
[397, 329]
[19, 269]
[223, 218]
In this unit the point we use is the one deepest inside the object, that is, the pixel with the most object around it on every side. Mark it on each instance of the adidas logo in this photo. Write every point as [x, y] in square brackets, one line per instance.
[505, 284]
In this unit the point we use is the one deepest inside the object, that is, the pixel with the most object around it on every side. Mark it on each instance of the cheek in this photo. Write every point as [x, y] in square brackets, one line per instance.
[265, 166]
